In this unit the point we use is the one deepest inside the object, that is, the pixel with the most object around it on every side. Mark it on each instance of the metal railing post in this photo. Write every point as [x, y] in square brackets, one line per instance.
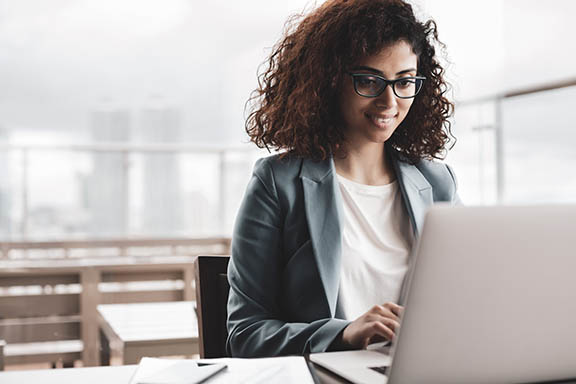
[25, 194]
[499, 146]
[221, 189]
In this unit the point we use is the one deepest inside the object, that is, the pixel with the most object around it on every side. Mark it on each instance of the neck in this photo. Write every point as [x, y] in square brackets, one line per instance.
[367, 164]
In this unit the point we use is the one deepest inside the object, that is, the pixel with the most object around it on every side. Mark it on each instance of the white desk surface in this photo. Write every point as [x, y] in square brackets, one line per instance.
[100, 375]
[94, 375]
[151, 321]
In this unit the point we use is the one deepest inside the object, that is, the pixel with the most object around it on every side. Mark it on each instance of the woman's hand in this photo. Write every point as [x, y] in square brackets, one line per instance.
[380, 323]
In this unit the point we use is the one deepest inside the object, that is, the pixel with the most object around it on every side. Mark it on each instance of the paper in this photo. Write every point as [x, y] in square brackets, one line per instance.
[168, 371]
[273, 370]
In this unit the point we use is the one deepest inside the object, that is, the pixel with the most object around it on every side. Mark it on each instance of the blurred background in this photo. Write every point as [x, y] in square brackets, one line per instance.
[125, 117]
[122, 135]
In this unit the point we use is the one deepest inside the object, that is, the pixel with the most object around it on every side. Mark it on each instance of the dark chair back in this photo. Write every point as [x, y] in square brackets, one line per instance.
[211, 301]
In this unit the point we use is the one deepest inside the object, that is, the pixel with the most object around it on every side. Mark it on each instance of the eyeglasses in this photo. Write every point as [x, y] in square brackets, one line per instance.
[370, 85]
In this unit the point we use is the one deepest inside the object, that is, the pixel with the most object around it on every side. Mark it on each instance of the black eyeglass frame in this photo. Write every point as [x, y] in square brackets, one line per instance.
[387, 83]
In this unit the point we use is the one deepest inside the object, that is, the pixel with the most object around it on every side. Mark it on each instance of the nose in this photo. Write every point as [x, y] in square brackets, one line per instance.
[387, 99]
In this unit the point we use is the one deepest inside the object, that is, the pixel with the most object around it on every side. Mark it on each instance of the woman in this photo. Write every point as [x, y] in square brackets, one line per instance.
[354, 97]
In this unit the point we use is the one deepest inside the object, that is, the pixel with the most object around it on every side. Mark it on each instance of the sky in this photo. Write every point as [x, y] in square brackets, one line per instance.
[64, 59]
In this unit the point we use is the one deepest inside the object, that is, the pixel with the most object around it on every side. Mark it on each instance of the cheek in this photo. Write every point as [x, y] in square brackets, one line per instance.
[351, 108]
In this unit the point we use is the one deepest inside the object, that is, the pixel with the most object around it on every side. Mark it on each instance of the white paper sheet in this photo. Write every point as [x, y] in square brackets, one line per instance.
[169, 371]
[275, 370]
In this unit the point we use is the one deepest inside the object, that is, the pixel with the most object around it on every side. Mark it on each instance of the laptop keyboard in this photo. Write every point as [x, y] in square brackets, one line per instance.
[381, 369]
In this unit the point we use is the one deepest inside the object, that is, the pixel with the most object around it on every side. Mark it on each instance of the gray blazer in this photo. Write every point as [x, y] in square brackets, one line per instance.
[285, 267]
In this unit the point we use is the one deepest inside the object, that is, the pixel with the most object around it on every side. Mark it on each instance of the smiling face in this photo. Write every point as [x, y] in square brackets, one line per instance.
[374, 120]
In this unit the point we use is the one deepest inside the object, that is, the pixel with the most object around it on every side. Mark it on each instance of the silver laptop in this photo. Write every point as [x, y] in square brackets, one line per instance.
[491, 299]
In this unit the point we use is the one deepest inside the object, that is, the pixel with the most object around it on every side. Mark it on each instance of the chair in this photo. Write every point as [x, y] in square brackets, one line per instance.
[211, 300]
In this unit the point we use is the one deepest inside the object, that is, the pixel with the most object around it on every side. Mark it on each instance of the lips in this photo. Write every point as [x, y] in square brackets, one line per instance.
[382, 121]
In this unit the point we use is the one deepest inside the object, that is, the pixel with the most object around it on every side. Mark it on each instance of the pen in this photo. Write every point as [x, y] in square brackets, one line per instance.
[203, 364]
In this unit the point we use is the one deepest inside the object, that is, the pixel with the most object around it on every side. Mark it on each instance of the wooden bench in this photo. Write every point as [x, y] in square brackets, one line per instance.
[48, 309]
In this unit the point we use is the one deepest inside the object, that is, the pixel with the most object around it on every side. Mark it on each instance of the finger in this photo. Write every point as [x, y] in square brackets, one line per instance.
[389, 319]
[385, 332]
[365, 342]
[378, 329]
[395, 308]
[377, 339]
[381, 310]
[391, 323]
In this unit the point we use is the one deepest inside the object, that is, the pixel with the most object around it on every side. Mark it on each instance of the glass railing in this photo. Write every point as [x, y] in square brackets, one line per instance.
[111, 190]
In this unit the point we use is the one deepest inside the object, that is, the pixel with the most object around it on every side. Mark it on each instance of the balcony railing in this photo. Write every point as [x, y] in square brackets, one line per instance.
[119, 190]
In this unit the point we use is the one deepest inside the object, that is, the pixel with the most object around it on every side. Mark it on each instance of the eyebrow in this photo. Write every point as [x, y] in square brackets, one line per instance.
[364, 68]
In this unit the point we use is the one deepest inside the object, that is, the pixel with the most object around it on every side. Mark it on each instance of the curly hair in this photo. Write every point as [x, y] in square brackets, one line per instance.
[295, 107]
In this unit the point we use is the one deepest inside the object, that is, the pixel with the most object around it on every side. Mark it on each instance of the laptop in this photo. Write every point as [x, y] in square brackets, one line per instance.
[491, 298]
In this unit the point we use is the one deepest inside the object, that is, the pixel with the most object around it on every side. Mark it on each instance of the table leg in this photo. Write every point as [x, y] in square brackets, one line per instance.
[104, 349]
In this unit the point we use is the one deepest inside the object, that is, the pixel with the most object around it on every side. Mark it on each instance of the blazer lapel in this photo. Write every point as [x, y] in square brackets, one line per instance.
[416, 192]
[322, 201]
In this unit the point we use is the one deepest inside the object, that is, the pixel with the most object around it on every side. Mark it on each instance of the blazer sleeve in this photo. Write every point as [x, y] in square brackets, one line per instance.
[256, 327]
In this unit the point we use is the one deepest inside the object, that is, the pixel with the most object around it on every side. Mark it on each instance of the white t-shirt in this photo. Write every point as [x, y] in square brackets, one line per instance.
[376, 242]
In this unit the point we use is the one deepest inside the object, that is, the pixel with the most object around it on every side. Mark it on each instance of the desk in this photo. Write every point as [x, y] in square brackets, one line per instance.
[92, 375]
[99, 375]
[132, 331]
[112, 375]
